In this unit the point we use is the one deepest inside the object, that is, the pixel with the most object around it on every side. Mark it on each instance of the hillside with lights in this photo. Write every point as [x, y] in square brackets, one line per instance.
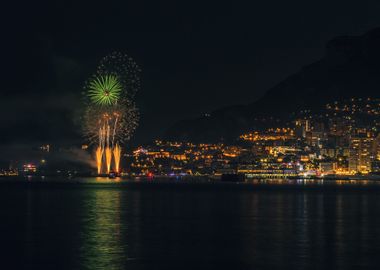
[349, 69]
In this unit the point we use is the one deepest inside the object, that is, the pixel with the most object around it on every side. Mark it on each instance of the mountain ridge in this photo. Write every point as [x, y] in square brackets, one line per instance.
[349, 68]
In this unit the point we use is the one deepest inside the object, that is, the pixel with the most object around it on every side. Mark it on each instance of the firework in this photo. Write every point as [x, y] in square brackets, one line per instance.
[108, 153]
[99, 155]
[110, 115]
[117, 156]
[122, 119]
[104, 90]
[125, 68]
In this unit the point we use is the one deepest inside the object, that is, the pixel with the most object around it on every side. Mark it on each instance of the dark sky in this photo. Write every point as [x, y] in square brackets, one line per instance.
[195, 57]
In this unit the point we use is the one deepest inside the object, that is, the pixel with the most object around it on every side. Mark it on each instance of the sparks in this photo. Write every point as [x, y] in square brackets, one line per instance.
[110, 115]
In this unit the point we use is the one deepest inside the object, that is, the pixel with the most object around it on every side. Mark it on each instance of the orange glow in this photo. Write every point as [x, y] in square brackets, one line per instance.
[108, 159]
[99, 155]
[117, 156]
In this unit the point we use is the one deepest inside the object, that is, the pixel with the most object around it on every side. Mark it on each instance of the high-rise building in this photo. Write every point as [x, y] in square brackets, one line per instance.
[340, 126]
[315, 138]
[302, 127]
[377, 147]
[361, 154]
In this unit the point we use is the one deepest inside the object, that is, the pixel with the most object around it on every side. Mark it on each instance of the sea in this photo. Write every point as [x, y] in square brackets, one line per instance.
[178, 223]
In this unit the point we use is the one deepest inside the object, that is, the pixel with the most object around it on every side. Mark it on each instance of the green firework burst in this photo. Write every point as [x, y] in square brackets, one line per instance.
[104, 90]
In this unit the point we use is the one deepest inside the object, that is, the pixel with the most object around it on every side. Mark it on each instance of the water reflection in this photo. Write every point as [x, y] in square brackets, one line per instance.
[190, 227]
[314, 182]
[103, 233]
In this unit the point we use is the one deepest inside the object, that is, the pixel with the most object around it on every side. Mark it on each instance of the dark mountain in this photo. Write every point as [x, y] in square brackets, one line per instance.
[350, 68]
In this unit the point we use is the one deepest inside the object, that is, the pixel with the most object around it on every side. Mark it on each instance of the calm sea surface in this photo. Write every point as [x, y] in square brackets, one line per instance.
[100, 224]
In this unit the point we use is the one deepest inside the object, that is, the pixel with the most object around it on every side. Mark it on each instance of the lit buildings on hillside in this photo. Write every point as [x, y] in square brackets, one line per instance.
[361, 154]
[302, 126]
[341, 140]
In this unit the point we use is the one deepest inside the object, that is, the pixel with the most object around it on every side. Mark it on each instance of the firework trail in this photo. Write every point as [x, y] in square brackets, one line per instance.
[117, 156]
[99, 156]
[108, 153]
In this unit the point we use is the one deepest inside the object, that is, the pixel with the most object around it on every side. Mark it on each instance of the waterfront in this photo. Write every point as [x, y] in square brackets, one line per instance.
[169, 225]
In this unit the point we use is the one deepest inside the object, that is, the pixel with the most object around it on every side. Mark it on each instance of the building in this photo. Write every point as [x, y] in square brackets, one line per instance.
[29, 168]
[329, 152]
[315, 138]
[361, 154]
[328, 167]
[302, 127]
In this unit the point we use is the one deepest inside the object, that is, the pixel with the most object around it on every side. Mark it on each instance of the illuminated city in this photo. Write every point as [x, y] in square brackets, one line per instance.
[148, 135]
[331, 143]
[322, 145]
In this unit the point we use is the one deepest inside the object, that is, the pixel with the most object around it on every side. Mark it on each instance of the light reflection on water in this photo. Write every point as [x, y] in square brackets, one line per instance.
[313, 182]
[102, 231]
[195, 180]
[115, 226]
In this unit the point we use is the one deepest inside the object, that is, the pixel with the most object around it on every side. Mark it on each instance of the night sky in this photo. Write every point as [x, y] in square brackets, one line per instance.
[195, 57]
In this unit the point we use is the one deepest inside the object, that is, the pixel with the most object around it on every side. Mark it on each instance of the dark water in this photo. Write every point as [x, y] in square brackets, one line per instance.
[189, 226]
